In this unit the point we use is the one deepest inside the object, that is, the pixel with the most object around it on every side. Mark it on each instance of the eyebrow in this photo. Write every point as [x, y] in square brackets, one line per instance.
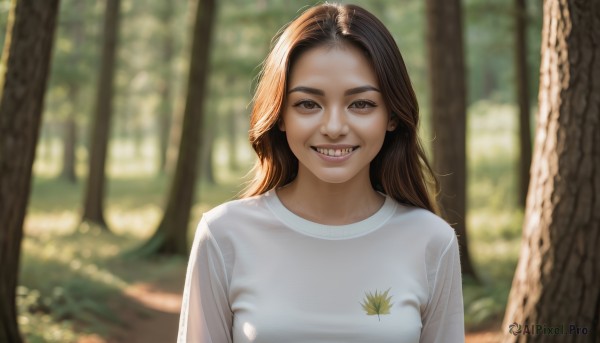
[350, 91]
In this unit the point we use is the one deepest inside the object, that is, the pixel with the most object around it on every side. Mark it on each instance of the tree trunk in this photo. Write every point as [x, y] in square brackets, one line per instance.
[165, 108]
[93, 212]
[522, 83]
[206, 154]
[170, 238]
[557, 280]
[179, 102]
[75, 31]
[448, 115]
[174, 135]
[232, 129]
[23, 78]
[69, 143]
[489, 83]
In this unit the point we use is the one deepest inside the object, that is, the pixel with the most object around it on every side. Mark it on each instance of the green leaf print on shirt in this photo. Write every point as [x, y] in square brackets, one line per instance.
[377, 303]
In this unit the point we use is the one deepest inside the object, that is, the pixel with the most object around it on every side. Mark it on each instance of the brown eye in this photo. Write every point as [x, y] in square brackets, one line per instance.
[362, 104]
[307, 105]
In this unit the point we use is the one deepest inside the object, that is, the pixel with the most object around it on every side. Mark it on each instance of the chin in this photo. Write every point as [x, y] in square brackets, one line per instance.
[334, 178]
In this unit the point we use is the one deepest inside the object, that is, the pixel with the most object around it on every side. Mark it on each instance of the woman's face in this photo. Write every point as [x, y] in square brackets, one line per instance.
[334, 116]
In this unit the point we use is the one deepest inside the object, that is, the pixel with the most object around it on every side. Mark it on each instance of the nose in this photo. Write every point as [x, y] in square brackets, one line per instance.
[334, 123]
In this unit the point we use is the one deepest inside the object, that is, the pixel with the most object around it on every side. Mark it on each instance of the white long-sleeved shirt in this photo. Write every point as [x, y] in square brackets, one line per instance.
[260, 273]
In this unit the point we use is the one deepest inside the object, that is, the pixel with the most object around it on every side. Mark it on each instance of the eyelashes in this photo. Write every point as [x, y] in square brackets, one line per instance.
[361, 104]
[306, 104]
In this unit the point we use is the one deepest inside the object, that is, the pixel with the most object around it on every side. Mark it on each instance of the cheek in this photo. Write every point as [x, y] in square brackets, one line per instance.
[298, 128]
[373, 129]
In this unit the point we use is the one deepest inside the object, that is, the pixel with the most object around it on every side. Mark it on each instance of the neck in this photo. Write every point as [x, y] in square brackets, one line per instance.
[331, 204]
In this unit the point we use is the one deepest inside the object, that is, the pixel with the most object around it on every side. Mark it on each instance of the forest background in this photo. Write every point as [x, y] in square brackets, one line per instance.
[75, 282]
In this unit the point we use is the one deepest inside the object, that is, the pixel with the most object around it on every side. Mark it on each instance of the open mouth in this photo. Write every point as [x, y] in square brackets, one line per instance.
[334, 152]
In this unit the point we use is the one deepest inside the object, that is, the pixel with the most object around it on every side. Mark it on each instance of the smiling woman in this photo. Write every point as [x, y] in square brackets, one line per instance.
[336, 239]
[335, 121]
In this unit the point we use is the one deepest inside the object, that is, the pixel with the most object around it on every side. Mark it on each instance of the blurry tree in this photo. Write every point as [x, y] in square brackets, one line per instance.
[141, 78]
[23, 77]
[68, 72]
[70, 85]
[232, 128]
[488, 35]
[557, 280]
[166, 71]
[522, 92]
[243, 33]
[171, 235]
[93, 212]
[206, 160]
[182, 45]
[489, 29]
[448, 115]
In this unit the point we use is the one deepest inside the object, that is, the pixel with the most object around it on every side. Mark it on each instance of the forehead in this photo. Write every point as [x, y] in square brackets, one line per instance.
[342, 64]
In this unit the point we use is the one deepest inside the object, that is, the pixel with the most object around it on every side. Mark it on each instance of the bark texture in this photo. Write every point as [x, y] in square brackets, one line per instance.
[557, 281]
[170, 238]
[23, 78]
[93, 210]
[448, 115]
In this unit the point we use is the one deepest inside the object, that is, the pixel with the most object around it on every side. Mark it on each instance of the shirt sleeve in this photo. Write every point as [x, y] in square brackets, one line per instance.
[206, 316]
[443, 319]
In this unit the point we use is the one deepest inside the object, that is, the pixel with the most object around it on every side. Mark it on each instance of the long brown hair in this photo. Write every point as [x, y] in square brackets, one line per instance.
[400, 169]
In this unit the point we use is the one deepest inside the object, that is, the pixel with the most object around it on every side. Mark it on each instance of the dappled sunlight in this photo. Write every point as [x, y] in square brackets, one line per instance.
[75, 258]
[490, 226]
[134, 160]
[58, 222]
[131, 159]
[64, 283]
[492, 157]
[492, 131]
[139, 222]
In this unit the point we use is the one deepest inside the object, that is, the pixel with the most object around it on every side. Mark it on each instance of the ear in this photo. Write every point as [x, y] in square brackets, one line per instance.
[392, 122]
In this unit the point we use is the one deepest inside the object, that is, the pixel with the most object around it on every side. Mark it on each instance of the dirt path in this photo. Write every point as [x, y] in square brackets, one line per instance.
[150, 312]
[163, 303]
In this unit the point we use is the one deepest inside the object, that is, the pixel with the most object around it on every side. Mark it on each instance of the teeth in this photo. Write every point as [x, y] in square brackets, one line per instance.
[334, 152]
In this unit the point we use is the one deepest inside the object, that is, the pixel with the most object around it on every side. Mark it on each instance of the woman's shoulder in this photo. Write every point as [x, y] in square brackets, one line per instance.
[236, 211]
[425, 224]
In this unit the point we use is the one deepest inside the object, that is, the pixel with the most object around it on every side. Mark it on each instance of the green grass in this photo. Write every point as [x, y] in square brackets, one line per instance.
[65, 279]
[70, 282]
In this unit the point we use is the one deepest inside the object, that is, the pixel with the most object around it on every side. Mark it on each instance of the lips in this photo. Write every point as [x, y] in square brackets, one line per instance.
[334, 151]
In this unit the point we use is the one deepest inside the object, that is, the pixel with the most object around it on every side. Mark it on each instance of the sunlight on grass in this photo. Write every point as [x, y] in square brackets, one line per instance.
[64, 282]
[58, 222]
[139, 222]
